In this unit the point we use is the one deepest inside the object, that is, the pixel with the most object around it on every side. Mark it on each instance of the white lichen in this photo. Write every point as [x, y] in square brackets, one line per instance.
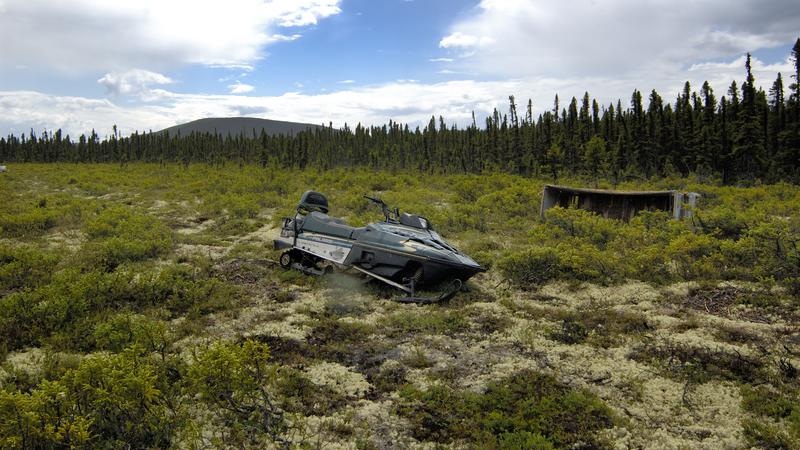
[339, 378]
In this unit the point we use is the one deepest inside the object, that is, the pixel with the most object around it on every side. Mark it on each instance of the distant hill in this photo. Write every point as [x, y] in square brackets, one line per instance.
[238, 126]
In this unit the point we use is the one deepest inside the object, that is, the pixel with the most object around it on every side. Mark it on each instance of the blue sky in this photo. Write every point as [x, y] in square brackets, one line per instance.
[83, 64]
[370, 42]
[367, 42]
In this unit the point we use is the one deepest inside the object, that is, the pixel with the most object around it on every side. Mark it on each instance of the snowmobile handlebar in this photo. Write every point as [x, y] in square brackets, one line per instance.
[376, 200]
[387, 213]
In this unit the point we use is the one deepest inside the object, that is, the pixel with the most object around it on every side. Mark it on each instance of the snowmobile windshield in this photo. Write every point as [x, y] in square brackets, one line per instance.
[405, 231]
[428, 242]
[445, 245]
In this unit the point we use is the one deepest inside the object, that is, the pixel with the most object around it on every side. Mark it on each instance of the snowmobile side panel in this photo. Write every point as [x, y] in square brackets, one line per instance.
[325, 247]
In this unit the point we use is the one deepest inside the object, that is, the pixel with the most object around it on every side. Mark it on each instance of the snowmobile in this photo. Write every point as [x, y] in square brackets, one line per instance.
[403, 251]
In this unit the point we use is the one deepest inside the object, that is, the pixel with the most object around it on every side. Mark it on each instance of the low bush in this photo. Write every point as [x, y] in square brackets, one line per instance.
[700, 364]
[27, 223]
[23, 266]
[581, 224]
[601, 328]
[108, 401]
[431, 322]
[297, 394]
[776, 421]
[723, 222]
[126, 329]
[237, 383]
[531, 268]
[769, 435]
[517, 200]
[118, 235]
[527, 408]
[70, 302]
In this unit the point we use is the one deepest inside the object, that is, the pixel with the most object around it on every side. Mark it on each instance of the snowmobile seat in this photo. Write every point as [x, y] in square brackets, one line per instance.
[313, 201]
[318, 222]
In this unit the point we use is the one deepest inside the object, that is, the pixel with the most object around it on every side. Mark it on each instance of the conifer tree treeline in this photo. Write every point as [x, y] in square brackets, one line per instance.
[746, 134]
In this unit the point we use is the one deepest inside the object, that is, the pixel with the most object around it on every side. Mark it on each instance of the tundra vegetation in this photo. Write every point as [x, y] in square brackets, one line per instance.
[140, 307]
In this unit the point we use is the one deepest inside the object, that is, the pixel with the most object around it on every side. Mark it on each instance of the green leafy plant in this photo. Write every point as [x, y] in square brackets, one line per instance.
[527, 407]
[234, 379]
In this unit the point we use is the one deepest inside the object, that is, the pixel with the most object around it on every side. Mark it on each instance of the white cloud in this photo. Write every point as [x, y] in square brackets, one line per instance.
[615, 38]
[132, 82]
[87, 35]
[284, 38]
[461, 40]
[26, 110]
[240, 88]
[720, 74]
[402, 100]
[347, 81]
[441, 60]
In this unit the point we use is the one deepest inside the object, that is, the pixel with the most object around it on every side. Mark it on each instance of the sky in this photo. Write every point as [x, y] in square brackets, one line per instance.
[80, 65]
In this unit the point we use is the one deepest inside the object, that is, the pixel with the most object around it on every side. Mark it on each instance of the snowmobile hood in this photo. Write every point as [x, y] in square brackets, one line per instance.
[414, 241]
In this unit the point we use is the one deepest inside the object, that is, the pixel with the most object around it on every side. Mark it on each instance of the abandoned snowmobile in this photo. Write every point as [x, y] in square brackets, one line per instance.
[402, 251]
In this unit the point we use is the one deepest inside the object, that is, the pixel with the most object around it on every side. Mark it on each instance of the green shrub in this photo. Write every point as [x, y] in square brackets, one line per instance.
[694, 256]
[24, 266]
[234, 226]
[768, 435]
[585, 262]
[532, 268]
[723, 222]
[26, 223]
[235, 381]
[765, 402]
[25, 216]
[527, 407]
[469, 189]
[461, 218]
[72, 298]
[601, 327]
[124, 330]
[775, 244]
[700, 364]
[118, 235]
[108, 401]
[112, 252]
[34, 420]
[582, 224]
[777, 421]
[517, 200]
[431, 322]
[186, 291]
[26, 318]
[297, 394]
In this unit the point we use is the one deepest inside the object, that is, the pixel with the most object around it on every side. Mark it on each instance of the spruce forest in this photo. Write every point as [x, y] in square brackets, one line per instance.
[743, 135]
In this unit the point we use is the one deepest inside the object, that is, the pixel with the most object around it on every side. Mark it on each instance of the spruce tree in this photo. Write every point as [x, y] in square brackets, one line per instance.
[789, 138]
[708, 155]
[748, 144]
